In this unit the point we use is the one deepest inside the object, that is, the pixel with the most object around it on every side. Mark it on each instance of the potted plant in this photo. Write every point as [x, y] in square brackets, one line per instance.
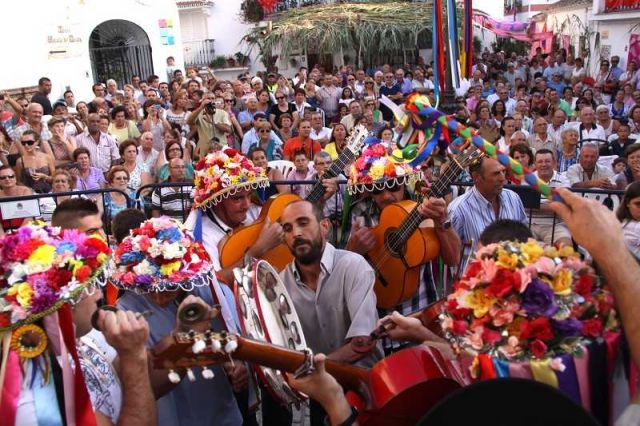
[218, 62]
[241, 59]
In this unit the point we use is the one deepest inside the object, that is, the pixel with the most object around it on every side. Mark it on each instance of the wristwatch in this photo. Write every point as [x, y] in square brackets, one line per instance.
[446, 225]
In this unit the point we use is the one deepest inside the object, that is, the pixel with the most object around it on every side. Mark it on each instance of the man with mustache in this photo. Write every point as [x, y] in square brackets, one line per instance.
[331, 289]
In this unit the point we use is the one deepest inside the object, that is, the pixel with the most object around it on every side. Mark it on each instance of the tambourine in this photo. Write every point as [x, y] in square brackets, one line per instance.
[267, 314]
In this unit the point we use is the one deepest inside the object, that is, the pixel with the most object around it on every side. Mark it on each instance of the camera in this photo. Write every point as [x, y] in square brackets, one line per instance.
[210, 108]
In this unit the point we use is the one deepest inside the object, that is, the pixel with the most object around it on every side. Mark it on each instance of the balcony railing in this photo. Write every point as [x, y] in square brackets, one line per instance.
[198, 53]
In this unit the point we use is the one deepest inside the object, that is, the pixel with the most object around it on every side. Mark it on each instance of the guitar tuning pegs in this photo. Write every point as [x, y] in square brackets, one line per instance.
[207, 374]
[174, 377]
[198, 346]
[230, 346]
[215, 345]
[191, 375]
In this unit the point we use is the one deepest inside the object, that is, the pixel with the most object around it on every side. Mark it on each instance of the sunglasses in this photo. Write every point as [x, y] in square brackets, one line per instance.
[28, 142]
[279, 98]
[264, 131]
[5, 177]
[228, 101]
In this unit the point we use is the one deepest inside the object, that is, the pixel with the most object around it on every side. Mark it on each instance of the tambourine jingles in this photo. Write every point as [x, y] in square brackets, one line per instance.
[267, 314]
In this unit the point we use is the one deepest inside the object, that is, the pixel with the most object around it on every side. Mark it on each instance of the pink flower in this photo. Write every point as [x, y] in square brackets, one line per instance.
[545, 265]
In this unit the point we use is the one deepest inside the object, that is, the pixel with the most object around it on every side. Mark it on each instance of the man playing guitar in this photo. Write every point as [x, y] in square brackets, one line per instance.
[378, 193]
[224, 200]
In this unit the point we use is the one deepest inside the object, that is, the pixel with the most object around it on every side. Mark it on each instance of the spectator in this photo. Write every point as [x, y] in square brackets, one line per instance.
[138, 173]
[619, 165]
[281, 107]
[122, 198]
[154, 122]
[146, 154]
[302, 171]
[173, 201]
[337, 142]
[588, 173]
[286, 131]
[617, 108]
[487, 126]
[347, 96]
[540, 139]
[62, 182]
[632, 173]
[568, 152]
[391, 90]
[302, 142]
[173, 150]
[102, 147]
[252, 137]
[60, 145]
[319, 133]
[486, 202]
[34, 168]
[87, 176]
[264, 100]
[121, 127]
[619, 142]
[629, 214]
[522, 154]
[41, 97]
[9, 187]
[272, 149]
[34, 122]
[544, 225]
[328, 97]
[369, 91]
[211, 123]
[259, 157]
[355, 113]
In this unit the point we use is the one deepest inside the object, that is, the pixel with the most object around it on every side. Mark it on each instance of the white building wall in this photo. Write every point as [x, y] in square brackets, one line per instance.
[31, 22]
[614, 29]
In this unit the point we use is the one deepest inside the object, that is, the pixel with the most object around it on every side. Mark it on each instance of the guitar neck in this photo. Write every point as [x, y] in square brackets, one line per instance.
[175, 352]
[346, 157]
[288, 360]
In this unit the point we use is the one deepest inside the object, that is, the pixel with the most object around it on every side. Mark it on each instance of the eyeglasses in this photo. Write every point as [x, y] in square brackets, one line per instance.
[28, 142]
[121, 178]
[228, 101]
[5, 177]
[368, 82]
[351, 79]
[174, 149]
[264, 130]
[279, 97]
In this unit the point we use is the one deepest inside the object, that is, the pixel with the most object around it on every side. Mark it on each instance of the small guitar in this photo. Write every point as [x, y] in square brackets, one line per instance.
[233, 247]
[398, 390]
[402, 246]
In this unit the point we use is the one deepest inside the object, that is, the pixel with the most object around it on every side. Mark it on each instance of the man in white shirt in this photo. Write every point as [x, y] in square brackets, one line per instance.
[587, 173]
[587, 126]
[319, 133]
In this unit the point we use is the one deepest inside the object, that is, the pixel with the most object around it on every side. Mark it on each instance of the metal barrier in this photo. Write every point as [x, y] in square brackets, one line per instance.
[106, 213]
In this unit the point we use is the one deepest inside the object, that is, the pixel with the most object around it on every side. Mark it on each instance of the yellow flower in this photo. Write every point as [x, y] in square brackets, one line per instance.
[170, 268]
[480, 301]
[23, 292]
[562, 282]
[532, 251]
[376, 171]
[42, 258]
[507, 260]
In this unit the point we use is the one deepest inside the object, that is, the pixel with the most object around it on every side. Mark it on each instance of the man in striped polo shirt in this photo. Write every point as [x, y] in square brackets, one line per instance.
[172, 201]
[486, 202]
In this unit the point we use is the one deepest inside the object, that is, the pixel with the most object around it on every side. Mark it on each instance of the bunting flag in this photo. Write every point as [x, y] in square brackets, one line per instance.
[438, 50]
[504, 28]
[452, 43]
[467, 57]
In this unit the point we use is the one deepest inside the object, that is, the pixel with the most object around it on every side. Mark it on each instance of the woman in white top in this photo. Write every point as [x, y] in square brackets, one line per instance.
[507, 130]
[155, 122]
[138, 173]
[629, 214]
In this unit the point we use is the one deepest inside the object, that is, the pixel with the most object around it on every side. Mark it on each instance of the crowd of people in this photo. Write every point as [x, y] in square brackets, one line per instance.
[197, 133]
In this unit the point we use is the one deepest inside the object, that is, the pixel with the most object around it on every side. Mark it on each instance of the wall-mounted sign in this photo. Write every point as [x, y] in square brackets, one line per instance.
[63, 42]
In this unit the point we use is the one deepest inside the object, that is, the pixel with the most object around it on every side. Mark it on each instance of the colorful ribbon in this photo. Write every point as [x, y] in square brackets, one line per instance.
[438, 51]
[542, 372]
[10, 380]
[468, 39]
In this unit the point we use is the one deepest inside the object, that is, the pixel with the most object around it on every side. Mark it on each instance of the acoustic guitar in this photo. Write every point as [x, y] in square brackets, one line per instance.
[402, 246]
[398, 390]
[233, 247]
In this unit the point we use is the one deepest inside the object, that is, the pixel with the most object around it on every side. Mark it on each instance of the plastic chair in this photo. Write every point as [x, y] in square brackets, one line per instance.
[285, 166]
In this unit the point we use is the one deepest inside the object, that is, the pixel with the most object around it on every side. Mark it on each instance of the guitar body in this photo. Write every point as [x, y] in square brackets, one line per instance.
[398, 273]
[406, 385]
[233, 247]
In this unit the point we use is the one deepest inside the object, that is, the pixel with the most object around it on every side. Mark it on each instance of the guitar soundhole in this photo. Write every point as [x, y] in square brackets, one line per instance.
[392, 242]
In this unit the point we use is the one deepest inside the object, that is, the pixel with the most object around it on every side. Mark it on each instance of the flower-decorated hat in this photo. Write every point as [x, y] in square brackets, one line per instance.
[376, 169]
[160, 256]
[42, 268]
[223, 173]
[521, 301]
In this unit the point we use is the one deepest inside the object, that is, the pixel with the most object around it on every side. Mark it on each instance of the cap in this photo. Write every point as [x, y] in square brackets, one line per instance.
[259, 115]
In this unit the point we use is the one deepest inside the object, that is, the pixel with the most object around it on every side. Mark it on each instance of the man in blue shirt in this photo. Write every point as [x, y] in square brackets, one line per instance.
[391, 90]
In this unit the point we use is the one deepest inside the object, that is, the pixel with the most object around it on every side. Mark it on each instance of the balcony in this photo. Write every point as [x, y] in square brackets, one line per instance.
[198, 53]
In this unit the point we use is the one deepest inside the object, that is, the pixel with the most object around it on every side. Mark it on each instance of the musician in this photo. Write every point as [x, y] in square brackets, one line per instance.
[179, 402]
[381, 191]
[224, 200]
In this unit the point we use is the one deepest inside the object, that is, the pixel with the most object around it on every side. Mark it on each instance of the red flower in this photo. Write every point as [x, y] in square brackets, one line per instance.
[378, 150]
[473, 269]
[459, 328]
[592, 327]
[584, 285]
[476, 322]
[201, 164]
[24, 250]
[83, 273]
[5, 319]
[230, 152]
[98, 244]
[455, 311]
[539, 328]
[503, 283]
[58, 278]
[538, 348]
[490, 336]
